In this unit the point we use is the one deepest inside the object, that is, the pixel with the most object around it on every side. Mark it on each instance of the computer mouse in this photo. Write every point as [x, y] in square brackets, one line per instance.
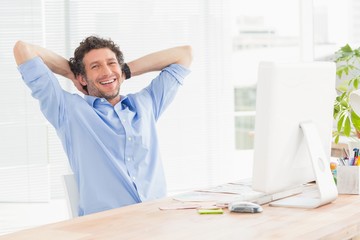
[244, 207]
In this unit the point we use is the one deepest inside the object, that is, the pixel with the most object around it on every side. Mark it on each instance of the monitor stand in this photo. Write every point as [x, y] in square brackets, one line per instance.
[326, 187]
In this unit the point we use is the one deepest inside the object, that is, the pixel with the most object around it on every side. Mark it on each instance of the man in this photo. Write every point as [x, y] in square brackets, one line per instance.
[110, 139]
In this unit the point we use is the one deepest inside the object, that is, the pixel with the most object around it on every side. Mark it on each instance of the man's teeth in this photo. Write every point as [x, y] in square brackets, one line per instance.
[107, 82]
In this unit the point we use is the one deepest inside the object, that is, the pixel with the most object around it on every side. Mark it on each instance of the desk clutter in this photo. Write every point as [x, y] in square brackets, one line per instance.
[216, 208]
[346, 171]
[237, 197]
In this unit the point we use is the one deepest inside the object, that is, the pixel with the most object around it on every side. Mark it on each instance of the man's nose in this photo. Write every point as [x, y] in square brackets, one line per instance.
[106, 70]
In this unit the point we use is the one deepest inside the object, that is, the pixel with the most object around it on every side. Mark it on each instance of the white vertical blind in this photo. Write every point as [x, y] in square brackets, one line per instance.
[23, 151]
[354, 23]
[55, 17]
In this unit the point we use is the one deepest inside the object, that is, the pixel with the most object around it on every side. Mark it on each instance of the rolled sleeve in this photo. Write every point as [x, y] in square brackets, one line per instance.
[164, 87]
[32, 69]
[178, 71]
[44, 87]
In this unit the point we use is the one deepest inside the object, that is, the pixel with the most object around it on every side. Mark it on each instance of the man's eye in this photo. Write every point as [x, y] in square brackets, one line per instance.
[94, 66]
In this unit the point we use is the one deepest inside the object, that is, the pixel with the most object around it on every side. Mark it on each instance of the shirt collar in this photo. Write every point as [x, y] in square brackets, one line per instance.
[91, 100]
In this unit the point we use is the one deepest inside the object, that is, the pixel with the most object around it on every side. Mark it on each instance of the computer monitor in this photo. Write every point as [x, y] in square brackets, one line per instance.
[293, 130]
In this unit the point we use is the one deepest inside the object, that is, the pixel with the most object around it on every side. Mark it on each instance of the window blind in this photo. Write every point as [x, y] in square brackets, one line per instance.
[23, 145]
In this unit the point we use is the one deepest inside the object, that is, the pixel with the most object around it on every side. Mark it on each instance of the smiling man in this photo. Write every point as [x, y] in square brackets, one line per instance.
[103, 73]
[110, 139]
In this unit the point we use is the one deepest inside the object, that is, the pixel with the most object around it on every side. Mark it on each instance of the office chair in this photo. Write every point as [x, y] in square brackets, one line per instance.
[72, 195]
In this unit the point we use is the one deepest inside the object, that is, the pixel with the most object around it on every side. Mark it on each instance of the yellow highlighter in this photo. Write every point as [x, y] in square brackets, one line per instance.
[210, 211]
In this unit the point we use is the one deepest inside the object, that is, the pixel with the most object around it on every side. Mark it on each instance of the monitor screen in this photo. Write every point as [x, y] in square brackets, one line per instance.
[289, 94]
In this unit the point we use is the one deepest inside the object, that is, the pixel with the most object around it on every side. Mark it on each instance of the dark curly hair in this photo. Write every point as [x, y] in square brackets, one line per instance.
[88, 44]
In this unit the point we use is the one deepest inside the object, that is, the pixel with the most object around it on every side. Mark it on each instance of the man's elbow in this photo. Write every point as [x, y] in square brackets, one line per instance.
[187, 56]
[19, 44]
[21, 52]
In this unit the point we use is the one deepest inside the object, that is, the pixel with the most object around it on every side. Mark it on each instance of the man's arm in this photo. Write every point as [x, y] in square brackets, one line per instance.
[158, 60]
[24, 51]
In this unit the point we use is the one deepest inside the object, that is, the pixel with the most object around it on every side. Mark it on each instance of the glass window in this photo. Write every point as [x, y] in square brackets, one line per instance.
[245, 101]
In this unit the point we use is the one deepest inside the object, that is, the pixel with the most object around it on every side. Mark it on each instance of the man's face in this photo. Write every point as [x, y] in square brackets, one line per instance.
[103, 75]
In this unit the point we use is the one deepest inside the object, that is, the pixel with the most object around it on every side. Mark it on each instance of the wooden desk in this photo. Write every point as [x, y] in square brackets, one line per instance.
[338, 220]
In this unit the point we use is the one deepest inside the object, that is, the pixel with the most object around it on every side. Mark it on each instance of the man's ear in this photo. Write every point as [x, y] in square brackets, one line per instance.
[81, 80]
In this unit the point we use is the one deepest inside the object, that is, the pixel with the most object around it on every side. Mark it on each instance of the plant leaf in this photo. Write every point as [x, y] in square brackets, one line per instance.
[340, 123]
[347, 127]
[356, 83]
[355, 119]
[344, 103]
[357, 53]
[343, 86]
[346, 48]
[341, 69]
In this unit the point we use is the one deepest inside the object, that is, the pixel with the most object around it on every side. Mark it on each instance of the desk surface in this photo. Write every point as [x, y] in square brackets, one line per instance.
[338, 220]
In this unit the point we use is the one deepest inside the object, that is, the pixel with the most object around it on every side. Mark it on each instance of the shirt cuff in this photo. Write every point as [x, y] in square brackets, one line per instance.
[178, 71]
[32, 69]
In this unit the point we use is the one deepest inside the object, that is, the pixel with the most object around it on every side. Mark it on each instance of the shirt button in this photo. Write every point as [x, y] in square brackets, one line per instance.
[128, 159]
[129, 138]
[102, 100]
[123, 120]
[133, 178]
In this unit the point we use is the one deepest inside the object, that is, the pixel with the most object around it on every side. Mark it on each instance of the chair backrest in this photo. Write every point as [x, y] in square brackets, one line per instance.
[72, 194]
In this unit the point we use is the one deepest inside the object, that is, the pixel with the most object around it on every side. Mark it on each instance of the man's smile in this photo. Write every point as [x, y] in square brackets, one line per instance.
[108, 82]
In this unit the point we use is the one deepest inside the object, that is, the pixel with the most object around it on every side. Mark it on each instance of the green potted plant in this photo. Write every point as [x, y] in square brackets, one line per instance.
[348, 73]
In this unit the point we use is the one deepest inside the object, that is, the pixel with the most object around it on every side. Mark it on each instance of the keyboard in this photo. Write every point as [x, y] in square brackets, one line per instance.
[236, 191]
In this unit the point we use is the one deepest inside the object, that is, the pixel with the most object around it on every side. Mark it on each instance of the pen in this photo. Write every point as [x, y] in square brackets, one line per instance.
[353, 158]
[346, 153]
[357, 162]
[356, 155]
[356, 158]
[342, 161]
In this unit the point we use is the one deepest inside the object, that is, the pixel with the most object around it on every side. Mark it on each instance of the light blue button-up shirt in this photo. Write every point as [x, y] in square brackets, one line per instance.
[113, 150]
